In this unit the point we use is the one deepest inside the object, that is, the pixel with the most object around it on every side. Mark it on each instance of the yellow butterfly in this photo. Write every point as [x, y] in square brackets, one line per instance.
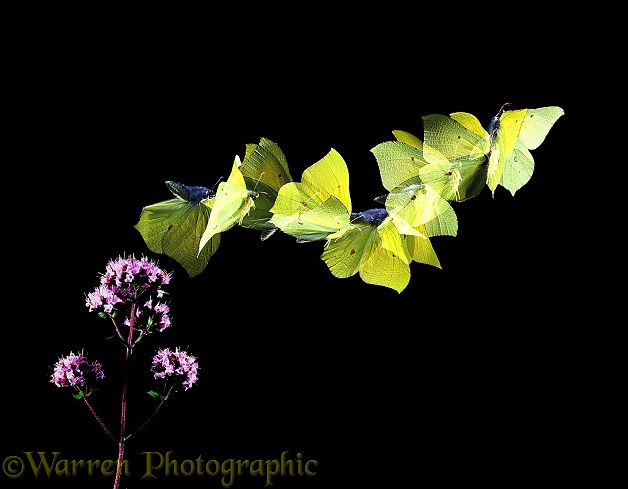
[505, 145]
[233, 201]
[174, 227]
[319, 204]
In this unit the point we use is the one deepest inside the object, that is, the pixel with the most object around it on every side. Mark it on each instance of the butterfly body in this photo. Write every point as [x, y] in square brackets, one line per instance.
[493, 125]
[371, 217]
[189, 193]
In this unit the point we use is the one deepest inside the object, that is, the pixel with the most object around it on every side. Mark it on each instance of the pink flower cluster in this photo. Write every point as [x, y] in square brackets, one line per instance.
[76, 371]
[168, 363]
[123, 283]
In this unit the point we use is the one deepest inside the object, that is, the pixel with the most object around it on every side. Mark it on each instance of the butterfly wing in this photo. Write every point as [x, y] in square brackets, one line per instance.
[463, 142]
[318, 205]
[440, 174]
[413, 204]
[233, 201]
[308, 224]
[503, 144]
[265, 170]
[174, 227]
[518, 165]
[408, 138]
[537, 124]
[420, 248]
[444, 224]
[419, 181]
[398, 162]
[374, 250]
[328, 177]
[518, 168]
[459, 134]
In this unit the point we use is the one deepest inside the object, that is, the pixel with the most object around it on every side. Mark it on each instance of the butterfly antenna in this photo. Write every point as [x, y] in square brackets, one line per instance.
[220, 179]
[255, 193]
[258, 179]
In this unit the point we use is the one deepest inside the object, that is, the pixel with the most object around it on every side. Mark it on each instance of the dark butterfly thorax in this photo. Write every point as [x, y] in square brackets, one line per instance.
[189, 193]
[493, 126]
[372, 217]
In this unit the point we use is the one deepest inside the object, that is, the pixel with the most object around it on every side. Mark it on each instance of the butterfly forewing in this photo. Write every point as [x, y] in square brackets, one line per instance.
[452, 138]
[537, 124]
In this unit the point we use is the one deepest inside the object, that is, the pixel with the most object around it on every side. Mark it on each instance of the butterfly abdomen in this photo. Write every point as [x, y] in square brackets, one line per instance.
[189, 193]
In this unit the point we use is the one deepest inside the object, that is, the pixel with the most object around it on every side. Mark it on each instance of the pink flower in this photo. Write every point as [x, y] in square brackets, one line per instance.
[178, 364]
[75, 371]
[122, 284]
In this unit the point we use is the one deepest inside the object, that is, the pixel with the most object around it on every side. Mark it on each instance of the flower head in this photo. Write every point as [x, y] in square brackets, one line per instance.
[125, 280]
[178, 364]
[76, 371]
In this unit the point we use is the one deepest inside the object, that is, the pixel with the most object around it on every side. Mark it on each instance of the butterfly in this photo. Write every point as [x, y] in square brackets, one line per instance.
[518, 165]
[419, 180]
[319, 204]
[174, 227]
[373, 248]
[504, 147]
[232, 202]
[264, 169]
[455, 171]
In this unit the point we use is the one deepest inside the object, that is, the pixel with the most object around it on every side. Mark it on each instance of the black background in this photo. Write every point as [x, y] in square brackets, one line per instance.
[462, 378]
